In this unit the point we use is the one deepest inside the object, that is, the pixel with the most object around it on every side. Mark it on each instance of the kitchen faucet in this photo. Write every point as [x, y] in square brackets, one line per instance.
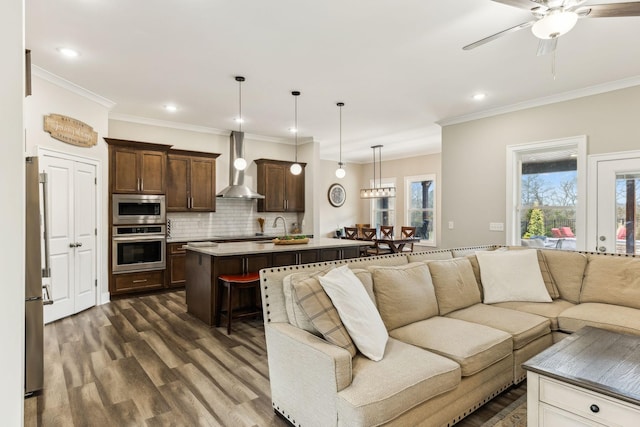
[284, 224]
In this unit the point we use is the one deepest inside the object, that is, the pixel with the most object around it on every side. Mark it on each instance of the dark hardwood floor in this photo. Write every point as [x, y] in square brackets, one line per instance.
[144, 361]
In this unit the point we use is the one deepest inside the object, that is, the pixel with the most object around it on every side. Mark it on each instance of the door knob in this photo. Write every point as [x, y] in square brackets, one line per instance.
[78, 244]
[72, 245]
[602, 249]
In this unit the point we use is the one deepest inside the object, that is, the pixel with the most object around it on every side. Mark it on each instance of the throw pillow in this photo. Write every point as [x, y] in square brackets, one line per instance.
[511, 276]
[297, 317]
[322, 314]
[356, 311]
[404, 294]
[455, 284]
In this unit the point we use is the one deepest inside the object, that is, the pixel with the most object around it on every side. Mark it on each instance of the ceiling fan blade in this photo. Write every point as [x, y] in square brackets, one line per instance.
[523, 4]
[498, 35]
[613, 10]
[547, 46]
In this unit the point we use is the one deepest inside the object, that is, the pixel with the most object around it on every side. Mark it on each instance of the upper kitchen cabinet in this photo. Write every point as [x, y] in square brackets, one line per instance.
[137, 167]
[191, 181]
[282, 190]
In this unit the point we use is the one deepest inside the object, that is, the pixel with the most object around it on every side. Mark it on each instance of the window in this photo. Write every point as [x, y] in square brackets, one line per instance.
[383, 209]
[546, 192]
[420, 197]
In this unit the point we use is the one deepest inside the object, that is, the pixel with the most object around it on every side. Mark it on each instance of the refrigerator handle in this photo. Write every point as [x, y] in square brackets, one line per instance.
[47, 295]
[46, 271]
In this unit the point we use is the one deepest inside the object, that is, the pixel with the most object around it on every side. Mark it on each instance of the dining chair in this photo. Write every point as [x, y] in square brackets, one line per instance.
[370, 234]
[360, 227]
[351, 233]
[386, 231]
[408, 233]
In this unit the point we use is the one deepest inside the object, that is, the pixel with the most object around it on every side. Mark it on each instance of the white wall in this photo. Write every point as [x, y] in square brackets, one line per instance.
[12, 224]
[350, 213]
[54, 96]
[474, 155]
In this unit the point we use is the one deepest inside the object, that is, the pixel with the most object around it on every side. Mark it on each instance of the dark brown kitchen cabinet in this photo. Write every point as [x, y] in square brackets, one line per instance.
[176, 257]
[137, 167]
[191, 181]
[282, 190]
[136, 282]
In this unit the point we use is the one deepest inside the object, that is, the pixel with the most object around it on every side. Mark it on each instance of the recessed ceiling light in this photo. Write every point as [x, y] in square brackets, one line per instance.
[479, 96]
[69, 53]
[171, 108]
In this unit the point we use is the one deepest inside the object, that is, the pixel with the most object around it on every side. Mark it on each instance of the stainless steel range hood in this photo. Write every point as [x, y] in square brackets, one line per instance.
[237, 189]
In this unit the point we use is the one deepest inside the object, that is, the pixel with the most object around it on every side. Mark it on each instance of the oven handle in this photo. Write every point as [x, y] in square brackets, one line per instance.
[139, 237]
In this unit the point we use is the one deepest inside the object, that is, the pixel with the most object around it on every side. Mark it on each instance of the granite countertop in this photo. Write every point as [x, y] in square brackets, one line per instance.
[242, 248]
[248, 237]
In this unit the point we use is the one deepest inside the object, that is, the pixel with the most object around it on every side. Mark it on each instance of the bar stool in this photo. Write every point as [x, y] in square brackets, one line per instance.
[233, 283]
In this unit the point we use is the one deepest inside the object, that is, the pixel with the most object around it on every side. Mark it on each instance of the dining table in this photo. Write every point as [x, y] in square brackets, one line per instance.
[395, 244]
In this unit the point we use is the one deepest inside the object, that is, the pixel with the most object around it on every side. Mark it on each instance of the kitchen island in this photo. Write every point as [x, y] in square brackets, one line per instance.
[205, 262]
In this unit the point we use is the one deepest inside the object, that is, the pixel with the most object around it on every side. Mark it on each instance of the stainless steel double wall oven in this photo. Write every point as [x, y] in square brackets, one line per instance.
[139, 233]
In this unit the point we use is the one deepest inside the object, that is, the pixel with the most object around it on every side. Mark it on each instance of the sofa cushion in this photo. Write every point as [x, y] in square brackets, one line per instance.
[297, 316]
[473, 346]
[567, 269]
[404, 293]
[550, 310]
[512, 276]
[455, 284]
[429, 256]
[523, 327]
[612, 280]
[405, 377]
[356, 311]
[322, 314]
[606, 316]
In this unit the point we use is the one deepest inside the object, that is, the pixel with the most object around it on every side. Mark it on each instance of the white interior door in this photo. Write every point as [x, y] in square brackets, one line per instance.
[71, 196]
[615, 185]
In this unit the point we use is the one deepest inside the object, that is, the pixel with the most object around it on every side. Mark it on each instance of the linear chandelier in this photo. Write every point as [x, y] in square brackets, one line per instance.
[379, 191]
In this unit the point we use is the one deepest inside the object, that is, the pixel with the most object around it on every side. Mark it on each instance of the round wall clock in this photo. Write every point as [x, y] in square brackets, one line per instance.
[337, 195]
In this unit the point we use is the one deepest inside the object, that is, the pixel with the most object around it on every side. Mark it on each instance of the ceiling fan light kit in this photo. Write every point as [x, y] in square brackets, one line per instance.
[553, 18]
[554, 24]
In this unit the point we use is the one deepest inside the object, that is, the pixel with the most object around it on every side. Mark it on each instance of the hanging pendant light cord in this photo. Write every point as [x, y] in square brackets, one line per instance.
[340, 161]
[296, 123]
[240, 106]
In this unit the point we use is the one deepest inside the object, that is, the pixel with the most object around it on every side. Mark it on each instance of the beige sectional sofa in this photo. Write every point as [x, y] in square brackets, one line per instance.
[447, 352]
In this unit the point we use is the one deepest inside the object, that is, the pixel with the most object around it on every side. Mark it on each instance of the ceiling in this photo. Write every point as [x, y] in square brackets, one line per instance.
[398, 66]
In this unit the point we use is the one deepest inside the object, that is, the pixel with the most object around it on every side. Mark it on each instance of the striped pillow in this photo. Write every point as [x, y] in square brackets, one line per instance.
[316, 304]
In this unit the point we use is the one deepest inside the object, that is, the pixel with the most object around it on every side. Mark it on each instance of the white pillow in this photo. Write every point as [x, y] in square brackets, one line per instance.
[511, 276]
[357, 312]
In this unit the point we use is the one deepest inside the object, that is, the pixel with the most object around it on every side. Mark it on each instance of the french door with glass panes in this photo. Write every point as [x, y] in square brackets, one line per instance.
[614, 214]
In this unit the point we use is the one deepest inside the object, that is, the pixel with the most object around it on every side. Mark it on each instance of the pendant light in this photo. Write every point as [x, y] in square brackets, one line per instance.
[240, 163]
[377, 191]
[296, 169]
[340, 172]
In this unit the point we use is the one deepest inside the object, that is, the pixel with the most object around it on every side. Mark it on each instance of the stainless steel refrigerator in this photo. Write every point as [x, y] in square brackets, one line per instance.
[34, 325]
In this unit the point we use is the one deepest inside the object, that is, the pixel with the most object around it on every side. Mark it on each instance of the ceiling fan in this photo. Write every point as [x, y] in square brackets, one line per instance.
[553, 18]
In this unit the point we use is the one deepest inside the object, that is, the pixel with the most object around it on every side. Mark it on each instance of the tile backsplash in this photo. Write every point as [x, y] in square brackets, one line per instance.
[233, 217]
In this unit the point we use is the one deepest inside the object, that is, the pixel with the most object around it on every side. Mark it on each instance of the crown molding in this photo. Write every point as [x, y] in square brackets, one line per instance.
[192, 128]
[72, 87]
[566, 96]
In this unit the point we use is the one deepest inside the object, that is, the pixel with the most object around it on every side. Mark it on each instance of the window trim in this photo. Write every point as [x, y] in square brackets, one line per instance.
[407, 200]
[384, 182]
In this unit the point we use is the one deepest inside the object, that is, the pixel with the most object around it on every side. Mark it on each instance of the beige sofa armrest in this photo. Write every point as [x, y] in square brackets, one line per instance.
[305, 373]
